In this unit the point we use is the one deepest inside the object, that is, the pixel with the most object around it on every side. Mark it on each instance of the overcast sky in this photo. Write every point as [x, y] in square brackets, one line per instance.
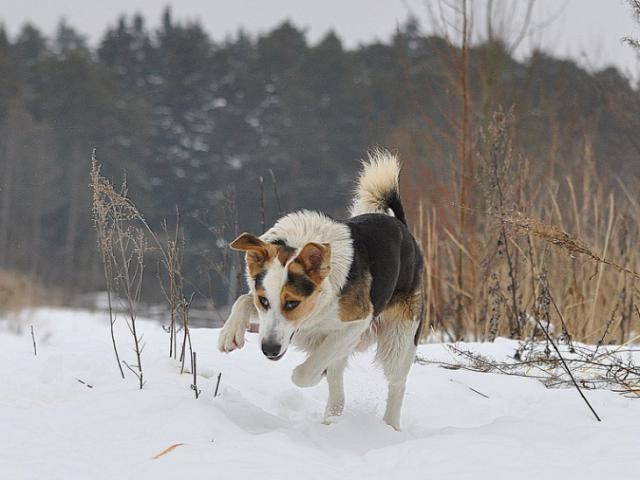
[588, 30]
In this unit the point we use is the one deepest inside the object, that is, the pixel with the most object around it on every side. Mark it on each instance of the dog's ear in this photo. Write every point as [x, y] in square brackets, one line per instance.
[315, 259]
[257, 251]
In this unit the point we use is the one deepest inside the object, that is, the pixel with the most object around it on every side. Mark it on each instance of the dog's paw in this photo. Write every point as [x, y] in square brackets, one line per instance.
[333, 412]
[303, 378]
[393, 421]
[231, 337]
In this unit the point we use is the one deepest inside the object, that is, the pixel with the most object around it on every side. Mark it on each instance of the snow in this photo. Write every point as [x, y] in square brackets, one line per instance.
[262, 426]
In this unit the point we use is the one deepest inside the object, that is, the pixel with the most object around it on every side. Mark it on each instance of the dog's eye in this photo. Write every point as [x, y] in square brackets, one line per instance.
[291, 304]
[264, 302]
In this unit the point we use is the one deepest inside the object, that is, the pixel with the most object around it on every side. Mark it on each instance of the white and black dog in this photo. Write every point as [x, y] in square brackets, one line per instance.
[335, 287]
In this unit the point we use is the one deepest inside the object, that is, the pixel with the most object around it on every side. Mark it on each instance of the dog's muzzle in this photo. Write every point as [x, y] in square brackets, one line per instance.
[273, 351]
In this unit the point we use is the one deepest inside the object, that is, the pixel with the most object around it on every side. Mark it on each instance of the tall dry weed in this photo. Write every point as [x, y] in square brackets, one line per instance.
[578, 232]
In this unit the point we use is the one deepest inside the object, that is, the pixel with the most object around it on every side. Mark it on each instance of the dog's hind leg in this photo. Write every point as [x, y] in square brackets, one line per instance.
[396, 352]
[335, 381]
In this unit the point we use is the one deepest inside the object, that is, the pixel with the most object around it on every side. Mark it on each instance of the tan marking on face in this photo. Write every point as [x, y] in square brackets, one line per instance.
[258, 254]
[301, 288]
[304, 308]
[256, 266]
[355, 300]
[296, 268]
[284, 254]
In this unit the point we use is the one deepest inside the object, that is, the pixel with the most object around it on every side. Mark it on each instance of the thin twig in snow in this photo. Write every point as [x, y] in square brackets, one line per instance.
[194, 386]
[215, 394]
[33, 339]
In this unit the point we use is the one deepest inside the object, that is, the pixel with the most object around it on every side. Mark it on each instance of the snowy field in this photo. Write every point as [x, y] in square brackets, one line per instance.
[263, 427]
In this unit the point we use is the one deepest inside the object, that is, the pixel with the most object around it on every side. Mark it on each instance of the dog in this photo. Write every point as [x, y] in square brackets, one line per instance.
[332, 288]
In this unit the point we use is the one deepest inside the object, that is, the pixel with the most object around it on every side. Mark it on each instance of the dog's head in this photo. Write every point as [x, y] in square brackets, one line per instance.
[286, 285]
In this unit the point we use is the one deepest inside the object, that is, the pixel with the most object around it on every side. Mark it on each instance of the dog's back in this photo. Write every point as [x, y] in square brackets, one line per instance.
[383, 245]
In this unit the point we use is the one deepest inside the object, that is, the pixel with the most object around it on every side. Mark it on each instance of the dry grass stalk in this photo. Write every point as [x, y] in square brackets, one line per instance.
[122, 246]
[561, 239]
[171, 282]
[102, 216]
[194, 369]
[184, 314]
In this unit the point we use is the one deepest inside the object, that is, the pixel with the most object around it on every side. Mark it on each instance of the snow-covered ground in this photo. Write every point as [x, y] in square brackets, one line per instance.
[262, 426]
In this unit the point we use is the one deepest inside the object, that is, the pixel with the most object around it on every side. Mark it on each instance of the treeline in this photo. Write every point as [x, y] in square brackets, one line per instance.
[196, 124]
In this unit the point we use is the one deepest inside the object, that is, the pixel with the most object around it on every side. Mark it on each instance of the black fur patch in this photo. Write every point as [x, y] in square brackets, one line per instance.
[393, 202]
[384, 247]
[301, 284]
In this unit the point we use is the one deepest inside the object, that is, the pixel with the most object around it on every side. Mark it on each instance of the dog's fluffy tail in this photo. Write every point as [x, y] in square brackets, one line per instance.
[377, 190]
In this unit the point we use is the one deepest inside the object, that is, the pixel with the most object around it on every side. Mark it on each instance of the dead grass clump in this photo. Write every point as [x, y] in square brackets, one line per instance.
[19, 291]
[530, 234]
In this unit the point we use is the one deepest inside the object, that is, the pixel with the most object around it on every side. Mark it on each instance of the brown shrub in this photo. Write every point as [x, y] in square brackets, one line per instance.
[18, 291]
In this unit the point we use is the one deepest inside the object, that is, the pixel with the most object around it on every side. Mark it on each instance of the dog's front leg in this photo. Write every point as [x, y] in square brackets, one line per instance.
[335, 381]
[232, 333]
[337, 345]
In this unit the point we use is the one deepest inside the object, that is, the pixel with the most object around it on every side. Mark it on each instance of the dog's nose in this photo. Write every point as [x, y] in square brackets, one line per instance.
[271, 350]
